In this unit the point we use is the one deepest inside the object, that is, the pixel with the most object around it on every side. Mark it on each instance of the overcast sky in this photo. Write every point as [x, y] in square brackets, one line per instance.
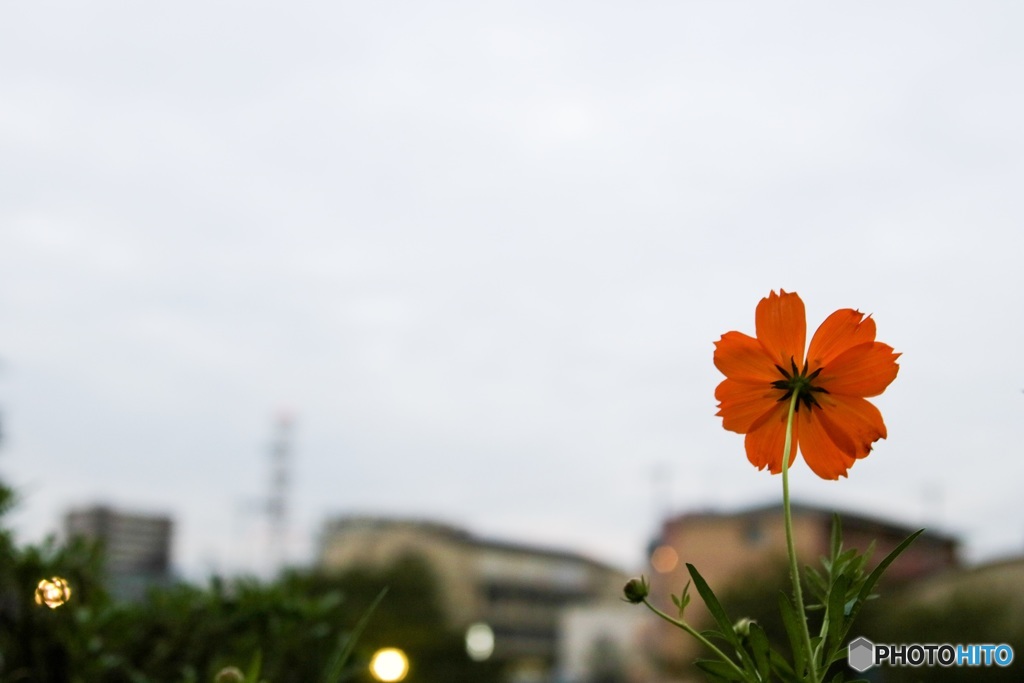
[482, 251]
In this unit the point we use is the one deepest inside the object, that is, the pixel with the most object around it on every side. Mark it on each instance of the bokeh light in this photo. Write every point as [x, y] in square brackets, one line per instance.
[53, 592]
[664, 559]
[479, 642]
[389, 664]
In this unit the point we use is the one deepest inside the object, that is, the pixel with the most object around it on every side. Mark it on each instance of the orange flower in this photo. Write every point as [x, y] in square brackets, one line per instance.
[834, 424]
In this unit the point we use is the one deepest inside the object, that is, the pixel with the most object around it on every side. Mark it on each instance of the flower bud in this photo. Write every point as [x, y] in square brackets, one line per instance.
[229, 674]
[742, 627]
[636, 590]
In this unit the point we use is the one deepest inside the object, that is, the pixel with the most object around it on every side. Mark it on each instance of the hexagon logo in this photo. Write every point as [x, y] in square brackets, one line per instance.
[860, 654]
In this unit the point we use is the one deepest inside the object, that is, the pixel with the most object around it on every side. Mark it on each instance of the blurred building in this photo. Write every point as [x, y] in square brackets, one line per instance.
[1002, 580]
[727, 546]
[989, 594]
[604, 643]
[136, 547]
[978, 604]
[747, 548]
[519, 591]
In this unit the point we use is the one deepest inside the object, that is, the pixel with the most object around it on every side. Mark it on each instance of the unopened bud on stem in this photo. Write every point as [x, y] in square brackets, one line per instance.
[229, 674]
[636, 590]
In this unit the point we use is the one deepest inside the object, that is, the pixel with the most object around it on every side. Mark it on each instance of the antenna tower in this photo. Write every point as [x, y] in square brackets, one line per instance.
[277, 506]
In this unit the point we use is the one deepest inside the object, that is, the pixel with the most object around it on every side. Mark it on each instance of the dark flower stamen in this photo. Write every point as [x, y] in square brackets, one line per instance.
[799, 382]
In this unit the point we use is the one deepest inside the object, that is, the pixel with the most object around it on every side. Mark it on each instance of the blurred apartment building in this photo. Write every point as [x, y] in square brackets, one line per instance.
[748, 547]
[606, 643]
[1000, 580]
[519, 591]
[729, 546]
[136, 547]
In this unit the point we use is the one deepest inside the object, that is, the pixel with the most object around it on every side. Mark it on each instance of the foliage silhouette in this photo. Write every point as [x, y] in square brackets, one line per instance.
[295, 629]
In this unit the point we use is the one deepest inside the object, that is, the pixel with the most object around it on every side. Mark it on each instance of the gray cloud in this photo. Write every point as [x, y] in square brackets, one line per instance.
[483, 253]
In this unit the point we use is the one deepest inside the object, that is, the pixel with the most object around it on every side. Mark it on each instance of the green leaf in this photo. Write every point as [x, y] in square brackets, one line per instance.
[844, 559]
[713, 605]
[760, 650]
[683, 600]
[836, 610]
[856, 567]
[782, 669]
[720, 670]
[840, 655]
[869, 584]
[713, 634]
[794, 630]
[345, 645]
[253, 674]
[863, 558]
[837, 535]
[816, 584]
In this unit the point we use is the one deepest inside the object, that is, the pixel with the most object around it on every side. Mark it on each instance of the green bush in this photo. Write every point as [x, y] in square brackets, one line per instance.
[296, 629]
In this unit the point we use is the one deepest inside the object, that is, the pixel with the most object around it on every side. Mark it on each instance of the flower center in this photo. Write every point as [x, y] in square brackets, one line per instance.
[800, 383]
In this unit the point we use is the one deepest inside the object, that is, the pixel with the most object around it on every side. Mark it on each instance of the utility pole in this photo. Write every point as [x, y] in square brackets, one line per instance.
[277, 506]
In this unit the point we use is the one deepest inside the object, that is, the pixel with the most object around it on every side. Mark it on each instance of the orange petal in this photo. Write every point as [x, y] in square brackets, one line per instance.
[743, 406]
[851, 422]
[823, 456]
[766, 442]
[741, 357]
[781, 325]
[863, 370]
[841, 330]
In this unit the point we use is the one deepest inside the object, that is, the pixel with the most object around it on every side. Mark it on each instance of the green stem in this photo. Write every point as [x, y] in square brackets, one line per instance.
[696, 634]
[794, 570]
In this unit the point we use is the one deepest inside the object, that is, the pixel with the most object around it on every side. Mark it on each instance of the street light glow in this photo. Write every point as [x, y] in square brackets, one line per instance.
[389, 664]
[53, 592]
[479, 642]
